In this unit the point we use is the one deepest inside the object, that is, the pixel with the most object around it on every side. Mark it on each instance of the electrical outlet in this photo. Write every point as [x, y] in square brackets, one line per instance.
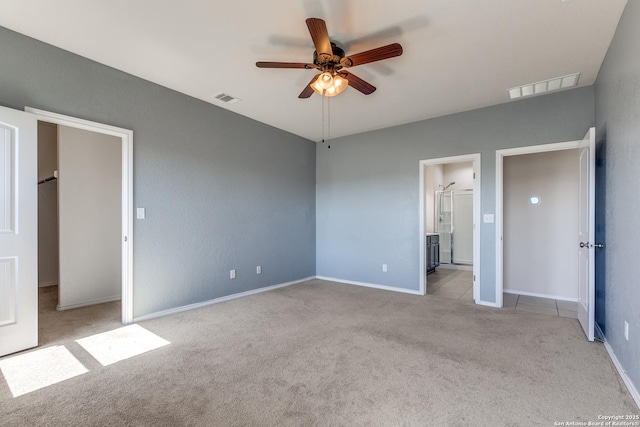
[258, 269]
[626, 330]
[232, 274]
[384, 267]
[140, 213]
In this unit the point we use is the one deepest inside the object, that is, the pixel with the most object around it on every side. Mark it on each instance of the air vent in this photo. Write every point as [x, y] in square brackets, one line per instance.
[550, 85]
[224, 97]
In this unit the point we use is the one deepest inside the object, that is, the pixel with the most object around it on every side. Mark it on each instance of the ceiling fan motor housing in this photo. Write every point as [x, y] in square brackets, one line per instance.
[329, 63]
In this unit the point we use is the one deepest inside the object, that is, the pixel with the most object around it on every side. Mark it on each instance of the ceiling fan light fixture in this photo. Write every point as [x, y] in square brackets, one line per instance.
[325, 80]
[339, 83]
[337, 86]
[332, 91]
[316, 87]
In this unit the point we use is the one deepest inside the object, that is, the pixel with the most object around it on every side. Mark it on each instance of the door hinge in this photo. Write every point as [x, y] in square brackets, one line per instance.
[474, 277]
[125, 238]
[474, 175]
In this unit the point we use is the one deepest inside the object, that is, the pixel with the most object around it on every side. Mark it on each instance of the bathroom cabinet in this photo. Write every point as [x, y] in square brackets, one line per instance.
[432, 252]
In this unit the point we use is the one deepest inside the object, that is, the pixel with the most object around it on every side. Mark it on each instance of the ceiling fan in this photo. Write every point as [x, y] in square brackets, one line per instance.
[332, 62]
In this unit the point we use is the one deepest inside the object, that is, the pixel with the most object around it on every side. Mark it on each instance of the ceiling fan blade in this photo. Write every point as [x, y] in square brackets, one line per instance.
[358, 84]
[307, 91]
[263, 64]
[320, 36]
[373, 55]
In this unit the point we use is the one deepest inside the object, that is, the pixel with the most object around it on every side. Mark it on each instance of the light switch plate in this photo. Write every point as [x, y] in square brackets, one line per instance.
[488, 218]
[140, 213]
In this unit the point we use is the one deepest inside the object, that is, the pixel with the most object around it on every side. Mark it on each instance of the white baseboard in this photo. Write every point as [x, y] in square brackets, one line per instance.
[370, 285]
[599, 335]
[464, 267]
[88, 303]
[45, 284]
[487, 304]
[534, 294]
[188, 307]
[627, 381]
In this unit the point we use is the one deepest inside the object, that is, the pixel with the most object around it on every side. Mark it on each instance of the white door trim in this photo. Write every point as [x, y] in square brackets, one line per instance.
[127, 194]
[500, 155]
[475, 159]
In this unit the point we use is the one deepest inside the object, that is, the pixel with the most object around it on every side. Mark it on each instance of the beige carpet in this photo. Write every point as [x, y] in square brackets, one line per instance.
[322, 353]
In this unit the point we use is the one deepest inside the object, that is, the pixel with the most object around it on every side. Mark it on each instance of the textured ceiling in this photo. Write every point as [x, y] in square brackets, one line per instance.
[458, 55]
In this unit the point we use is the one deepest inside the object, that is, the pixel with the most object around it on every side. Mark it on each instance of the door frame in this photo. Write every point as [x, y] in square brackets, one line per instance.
[499, 218]
[475, 159]
[126, 136]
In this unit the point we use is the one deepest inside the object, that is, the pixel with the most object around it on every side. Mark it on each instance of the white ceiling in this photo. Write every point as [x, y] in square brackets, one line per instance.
[458, 54]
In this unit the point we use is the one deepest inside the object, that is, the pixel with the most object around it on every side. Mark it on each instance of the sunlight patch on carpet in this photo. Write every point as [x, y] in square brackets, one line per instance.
[38, 369]
[120, 344]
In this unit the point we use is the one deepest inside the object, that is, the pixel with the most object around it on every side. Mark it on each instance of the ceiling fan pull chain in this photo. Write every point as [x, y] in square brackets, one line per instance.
[322, 104]
[329, 122]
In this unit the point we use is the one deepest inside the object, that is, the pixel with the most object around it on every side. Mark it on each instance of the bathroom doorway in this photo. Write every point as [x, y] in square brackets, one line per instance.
[449, 235]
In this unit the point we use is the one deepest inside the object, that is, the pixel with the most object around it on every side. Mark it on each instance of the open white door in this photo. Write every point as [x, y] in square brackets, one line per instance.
[586, 233]
[18, 231]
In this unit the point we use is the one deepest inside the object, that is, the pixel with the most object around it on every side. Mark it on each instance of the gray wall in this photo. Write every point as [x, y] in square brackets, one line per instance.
[617, 97]
[368, 191]
[221, 191]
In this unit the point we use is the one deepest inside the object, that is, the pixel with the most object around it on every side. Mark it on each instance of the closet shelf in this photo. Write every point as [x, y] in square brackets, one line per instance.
[49, 178]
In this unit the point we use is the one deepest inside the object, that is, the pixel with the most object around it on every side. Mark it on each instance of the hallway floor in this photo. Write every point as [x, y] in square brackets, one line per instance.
[458, 284]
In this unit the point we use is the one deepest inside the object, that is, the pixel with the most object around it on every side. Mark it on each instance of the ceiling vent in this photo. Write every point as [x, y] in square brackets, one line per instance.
[544, 86]
[224, 97]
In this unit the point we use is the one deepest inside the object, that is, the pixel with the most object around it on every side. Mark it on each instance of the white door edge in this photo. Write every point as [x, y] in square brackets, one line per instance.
[126, 137]
[586, 315]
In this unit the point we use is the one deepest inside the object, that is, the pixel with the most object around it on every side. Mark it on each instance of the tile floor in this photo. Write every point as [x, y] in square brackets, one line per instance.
[457, 284]
[531, 304]
[448, 283]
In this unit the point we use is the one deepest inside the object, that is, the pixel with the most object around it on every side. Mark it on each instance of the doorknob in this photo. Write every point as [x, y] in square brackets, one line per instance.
[589, 245]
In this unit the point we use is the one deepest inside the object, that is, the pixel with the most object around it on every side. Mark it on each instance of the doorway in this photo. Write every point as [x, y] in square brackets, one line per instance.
[538, 212]
[449, 218]
[580, 254]
[83, 195]
[540, 219]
